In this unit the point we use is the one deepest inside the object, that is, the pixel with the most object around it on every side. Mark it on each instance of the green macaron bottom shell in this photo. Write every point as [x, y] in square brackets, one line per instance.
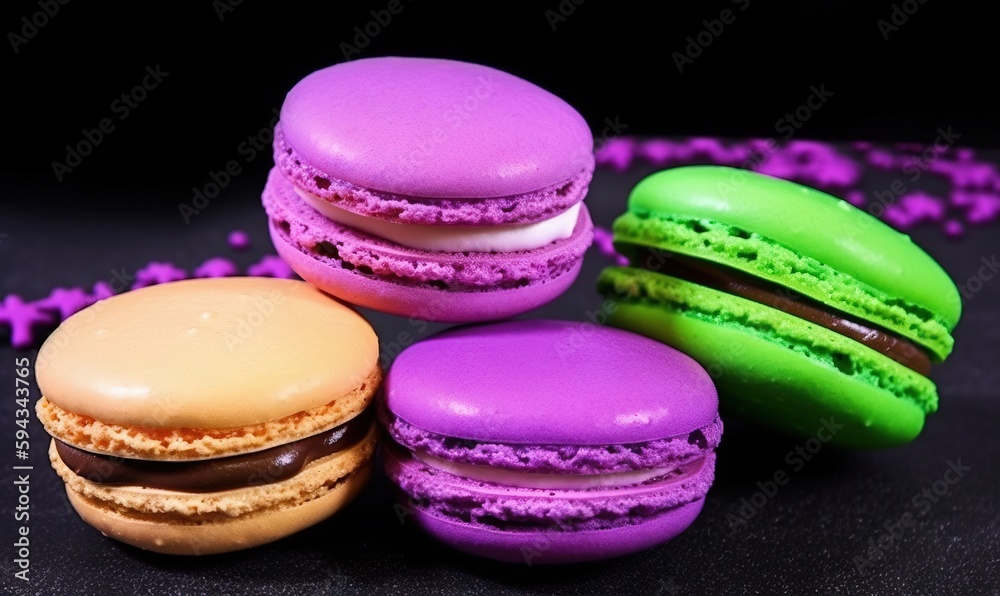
[764, 258]
[773, 368]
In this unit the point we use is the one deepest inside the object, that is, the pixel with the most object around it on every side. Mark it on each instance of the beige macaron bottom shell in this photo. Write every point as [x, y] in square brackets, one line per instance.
[180, 523]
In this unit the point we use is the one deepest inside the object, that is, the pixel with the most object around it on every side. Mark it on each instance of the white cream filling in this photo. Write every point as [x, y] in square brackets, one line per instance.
[505, 238]
[541, 479]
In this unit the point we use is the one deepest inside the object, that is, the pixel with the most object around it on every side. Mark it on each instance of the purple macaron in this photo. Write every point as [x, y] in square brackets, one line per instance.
[428, 188]
[549, 441]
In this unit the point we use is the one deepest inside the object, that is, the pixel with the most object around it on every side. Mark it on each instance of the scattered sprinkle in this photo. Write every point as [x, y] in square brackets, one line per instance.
[239, 240]
[973, 184]
[157, 273]
[271, 266]
[65, 301]
[22, 318]
[216, 267]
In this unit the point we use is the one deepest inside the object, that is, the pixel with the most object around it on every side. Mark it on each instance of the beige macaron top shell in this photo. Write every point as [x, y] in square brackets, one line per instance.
[207, 353]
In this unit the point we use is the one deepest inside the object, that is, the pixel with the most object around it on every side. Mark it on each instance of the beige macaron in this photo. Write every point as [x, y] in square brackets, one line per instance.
[210, 415]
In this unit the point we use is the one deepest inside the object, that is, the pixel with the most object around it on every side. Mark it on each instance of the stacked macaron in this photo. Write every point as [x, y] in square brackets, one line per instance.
[432, 189]
[805, 308]
[510, 442]
[210, 415]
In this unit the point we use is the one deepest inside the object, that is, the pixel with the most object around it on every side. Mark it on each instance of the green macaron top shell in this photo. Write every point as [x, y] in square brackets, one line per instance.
[799, 238]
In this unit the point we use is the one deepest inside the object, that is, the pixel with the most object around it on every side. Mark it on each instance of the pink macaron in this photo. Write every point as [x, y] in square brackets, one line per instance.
[432, 189]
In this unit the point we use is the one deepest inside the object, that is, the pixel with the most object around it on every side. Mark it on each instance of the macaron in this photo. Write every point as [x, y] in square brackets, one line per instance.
[210, 415]
[432, 189]
[549, 441]
[811, 315]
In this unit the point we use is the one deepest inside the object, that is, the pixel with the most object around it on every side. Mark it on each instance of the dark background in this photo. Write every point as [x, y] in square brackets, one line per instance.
[118, 209]
[607, 59]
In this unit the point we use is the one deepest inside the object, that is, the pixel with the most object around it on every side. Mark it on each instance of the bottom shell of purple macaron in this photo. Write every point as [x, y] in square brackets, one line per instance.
[449, 287]
[554, 546]
[543, 526]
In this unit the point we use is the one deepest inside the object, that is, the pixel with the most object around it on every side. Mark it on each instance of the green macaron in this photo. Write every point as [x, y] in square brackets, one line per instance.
[805, 309]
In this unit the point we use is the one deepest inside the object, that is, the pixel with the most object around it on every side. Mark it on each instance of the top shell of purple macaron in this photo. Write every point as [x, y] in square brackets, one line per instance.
[549, 383]
[434, 128]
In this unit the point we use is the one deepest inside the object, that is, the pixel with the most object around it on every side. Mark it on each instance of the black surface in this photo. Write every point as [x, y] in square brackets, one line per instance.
[803, 540]
[119, 210]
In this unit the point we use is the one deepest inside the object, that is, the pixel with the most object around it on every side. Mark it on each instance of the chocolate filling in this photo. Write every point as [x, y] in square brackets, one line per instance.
[210, 475]
[724, 279]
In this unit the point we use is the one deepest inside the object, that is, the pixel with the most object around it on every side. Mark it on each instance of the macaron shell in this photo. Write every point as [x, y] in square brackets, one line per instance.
[557, 547]
[420, 303]
[574, 459]
[314, 479]
[533, 206]
[447, 287]
[809, 222]
[768, 260]
[581, 384]
[434, 128]
[344, 247]
[775, 385]
[207, 353]
[577, 525]
[222, 535]
[194, 444]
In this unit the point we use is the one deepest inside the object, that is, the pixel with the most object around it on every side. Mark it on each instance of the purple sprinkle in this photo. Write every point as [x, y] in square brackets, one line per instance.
[658, 151]
[271, 266]
[216, 267]
[953, 228]
[604, 241]
[966, 174]
[914, 208]
[617, 153]
[981, 207]
[100, 291]
[923, 206]
[22, 317]
[861, 145]
[157, 273]
[965, 154]
[881, 159]
[855, 197]
[711, 148]
[239, 240]
[898, 217]
[65, 301]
